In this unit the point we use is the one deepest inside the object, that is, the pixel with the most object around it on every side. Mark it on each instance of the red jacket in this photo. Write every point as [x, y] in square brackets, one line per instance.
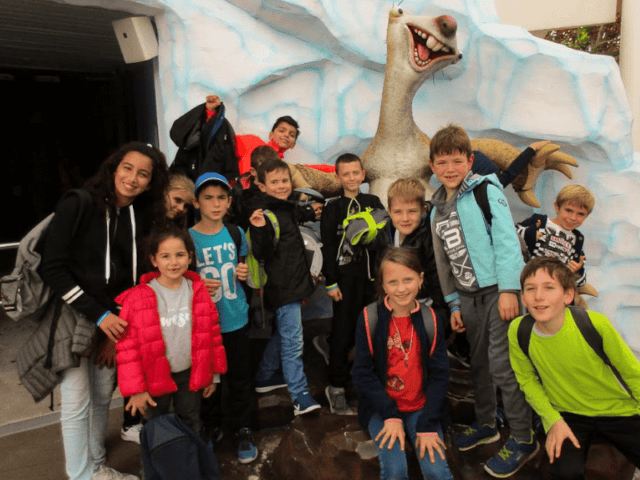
[142, 364]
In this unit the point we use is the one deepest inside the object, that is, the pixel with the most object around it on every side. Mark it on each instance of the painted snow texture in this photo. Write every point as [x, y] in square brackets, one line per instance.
[322, 62]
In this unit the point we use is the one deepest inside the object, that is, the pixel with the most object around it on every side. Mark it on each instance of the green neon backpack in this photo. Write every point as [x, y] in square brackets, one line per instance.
[257, 276]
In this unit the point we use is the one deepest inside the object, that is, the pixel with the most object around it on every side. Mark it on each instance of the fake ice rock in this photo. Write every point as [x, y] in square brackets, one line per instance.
[323, 63]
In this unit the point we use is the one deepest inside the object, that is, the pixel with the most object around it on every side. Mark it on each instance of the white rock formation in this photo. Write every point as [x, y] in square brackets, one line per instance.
[322, 62]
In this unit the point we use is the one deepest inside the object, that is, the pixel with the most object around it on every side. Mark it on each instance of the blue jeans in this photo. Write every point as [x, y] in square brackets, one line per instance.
[393, 463]
[85, 394]
[285, 345]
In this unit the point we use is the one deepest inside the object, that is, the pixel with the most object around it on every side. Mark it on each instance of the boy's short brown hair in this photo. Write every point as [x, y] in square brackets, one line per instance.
[407, 189]
[554, 267]
[348, 158]
[448, 140]
[577, 194]
[272, 165]
[261, 154]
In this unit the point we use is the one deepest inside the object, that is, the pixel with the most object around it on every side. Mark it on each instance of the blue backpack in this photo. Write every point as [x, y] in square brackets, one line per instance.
[172, 451]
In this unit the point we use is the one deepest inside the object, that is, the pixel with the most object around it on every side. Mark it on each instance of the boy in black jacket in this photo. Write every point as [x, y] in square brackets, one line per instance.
[289, 282]
[349, 277]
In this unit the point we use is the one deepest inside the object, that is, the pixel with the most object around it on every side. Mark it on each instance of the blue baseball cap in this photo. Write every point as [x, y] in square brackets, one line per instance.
[211, 177]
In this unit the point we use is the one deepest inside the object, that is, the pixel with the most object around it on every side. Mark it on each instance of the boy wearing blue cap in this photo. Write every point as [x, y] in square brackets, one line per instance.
[219, 248]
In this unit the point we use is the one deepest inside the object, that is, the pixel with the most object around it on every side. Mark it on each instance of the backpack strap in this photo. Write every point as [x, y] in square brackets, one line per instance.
[428, 317]
[480, 193]
[430, 325]
[524, 333]
[275, 224]
[594, 339]
[371, 322]
[234, 232]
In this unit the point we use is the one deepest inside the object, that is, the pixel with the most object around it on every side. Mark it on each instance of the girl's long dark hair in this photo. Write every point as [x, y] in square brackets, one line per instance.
[102, 184]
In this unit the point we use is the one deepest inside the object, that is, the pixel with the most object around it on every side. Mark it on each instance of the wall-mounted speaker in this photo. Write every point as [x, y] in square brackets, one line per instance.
[137, 38]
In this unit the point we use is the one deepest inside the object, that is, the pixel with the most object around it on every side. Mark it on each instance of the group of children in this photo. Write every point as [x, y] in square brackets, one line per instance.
[438, 267]
[479, 260]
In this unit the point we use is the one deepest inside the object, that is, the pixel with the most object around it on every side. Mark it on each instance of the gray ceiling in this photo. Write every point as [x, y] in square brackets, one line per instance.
[43, 34]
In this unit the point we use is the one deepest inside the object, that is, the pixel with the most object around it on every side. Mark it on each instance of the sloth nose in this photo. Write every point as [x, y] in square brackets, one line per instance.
[447, 25]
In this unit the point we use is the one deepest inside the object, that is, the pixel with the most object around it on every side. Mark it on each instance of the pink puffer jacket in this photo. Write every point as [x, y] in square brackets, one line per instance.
[142, 364]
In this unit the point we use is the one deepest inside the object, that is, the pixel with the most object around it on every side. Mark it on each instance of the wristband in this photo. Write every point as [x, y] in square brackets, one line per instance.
[455, 309]
[427, 434]
[394, 420]
[108, 312]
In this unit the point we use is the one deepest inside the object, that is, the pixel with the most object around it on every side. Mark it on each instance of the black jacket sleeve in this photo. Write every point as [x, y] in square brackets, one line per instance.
[61, 251]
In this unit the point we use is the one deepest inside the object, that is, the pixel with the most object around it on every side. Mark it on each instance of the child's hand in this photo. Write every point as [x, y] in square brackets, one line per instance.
[113, 326]
[538, 145]
[106, 356]
[139, 402]
[508, 306]
[538, 233]
[242, 271]
[456, 322]
[558, 433]
[392, 430]
[335, 294]
[430, 443]
[257, 218]
[575, 266]
[208, 391]
[317, 208]
[213, 102]
[212, 285]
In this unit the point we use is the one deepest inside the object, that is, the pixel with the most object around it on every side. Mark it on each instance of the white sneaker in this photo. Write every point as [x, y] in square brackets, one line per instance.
[107, 473]
[132, 433]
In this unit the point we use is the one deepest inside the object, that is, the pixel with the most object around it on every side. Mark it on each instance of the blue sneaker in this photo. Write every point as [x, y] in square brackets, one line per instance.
[247, 451]
[304, 404]
[475, 435]
[512, 457]
[274, 382]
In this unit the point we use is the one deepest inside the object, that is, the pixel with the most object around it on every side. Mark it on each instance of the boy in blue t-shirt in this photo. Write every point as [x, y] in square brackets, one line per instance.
[218, 264]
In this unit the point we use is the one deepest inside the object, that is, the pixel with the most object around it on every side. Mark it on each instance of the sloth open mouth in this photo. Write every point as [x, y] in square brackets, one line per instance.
[426, 48]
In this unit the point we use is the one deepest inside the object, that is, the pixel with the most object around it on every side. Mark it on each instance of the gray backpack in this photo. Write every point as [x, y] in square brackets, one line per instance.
[23, 293]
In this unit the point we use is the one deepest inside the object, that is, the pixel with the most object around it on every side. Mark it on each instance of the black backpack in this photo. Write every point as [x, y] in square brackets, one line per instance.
[171, 450]
[588, 331]
[480, 194]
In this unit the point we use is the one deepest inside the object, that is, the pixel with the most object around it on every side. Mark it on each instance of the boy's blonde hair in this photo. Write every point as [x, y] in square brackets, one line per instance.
[448, 140]
[407, 189]
[576, 194]
[179, 181]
